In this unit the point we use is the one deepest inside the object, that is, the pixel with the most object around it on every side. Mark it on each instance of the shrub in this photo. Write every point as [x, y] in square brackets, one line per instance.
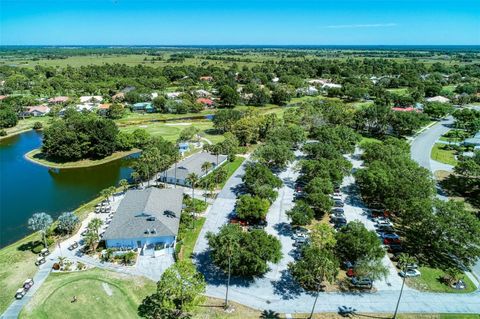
[37, 126]
[3, 133]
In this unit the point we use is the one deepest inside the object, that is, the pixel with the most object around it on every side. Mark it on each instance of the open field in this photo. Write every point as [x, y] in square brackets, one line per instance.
[190, 238]
[442, 155]
[121, 297]
[25, 125]
[430, 281]
[38, 157]
[17, 263]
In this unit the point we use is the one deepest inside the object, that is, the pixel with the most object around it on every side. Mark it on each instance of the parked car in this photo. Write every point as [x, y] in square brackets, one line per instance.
[338, 210]
[28, 283]
[410, 273]
[238, 221]
[44, 252]
[388, 235]
[300, 241]
[337, 197]
[339, 220]
[73, 246]
[351, 272]
[408, 265]
[362, 282]
[338, 203]
[20, 293]
[300, 230]
[395, 248]
[390, 241]
[383, 223]
[385, 229]
[40, 260]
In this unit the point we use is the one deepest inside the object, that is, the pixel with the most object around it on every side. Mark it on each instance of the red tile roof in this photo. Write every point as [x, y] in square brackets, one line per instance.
[204, 101]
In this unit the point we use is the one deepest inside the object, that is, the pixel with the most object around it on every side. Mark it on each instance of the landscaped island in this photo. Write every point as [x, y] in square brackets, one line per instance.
[36, 156]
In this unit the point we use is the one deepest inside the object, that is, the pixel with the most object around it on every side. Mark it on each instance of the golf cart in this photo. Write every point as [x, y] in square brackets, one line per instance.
[40, 260]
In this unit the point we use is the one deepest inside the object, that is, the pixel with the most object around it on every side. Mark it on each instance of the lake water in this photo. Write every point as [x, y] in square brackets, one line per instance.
[27, 188]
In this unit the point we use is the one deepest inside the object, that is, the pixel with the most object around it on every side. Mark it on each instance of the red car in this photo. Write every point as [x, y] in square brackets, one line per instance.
[351, 272]
[389, 241]
[239, 222]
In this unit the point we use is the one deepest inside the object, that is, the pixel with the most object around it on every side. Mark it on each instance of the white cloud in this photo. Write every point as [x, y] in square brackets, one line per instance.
[352, 26]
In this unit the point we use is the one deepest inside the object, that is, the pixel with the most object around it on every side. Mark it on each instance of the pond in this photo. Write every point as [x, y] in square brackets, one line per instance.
[27, 188]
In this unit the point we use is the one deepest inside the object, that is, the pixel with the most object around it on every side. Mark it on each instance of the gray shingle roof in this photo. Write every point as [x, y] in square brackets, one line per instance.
[150, 209]
[193, 164]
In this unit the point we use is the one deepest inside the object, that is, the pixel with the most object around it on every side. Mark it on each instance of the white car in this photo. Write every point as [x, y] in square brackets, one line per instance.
[336, 197]
[384, 223]
[20, 293]
[410, 273]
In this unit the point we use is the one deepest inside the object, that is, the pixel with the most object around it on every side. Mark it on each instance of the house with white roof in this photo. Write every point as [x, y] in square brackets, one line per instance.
[91, 98]
[173, 95]
[37, 110]
[438, 98]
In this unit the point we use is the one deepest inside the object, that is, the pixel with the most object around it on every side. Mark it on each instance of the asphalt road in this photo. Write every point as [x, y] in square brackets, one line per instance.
[421, 148]
[422, 144]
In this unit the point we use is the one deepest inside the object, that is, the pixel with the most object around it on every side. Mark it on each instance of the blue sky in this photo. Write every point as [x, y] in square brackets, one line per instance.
[256, 22]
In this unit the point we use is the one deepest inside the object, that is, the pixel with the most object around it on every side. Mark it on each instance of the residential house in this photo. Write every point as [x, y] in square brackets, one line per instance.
[331, 86]
[405, 109]
[86, 107]
[91, 99]
[58, 99]
[438, 98]
[103, 108]
[205, 101]
[206, 78]
[202, 93]
[147, 220]
[191, 164]
[311, 90]
[37, 110]
[173, 95]
[146, 107]
[120, 96]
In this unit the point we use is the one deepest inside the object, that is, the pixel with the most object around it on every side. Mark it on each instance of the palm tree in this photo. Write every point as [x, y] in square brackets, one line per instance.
[91, 239]
[61, 260]
[105, 193]
[193, 179]
[124, 184]
[95, 224]
[206, 166]
[403, 260]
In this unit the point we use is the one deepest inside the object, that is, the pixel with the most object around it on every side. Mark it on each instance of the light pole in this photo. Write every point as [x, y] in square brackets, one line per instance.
[316, 298]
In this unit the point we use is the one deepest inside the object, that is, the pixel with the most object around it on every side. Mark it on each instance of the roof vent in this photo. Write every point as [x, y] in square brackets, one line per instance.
[151, 218]
[153, 231]
[147, 231]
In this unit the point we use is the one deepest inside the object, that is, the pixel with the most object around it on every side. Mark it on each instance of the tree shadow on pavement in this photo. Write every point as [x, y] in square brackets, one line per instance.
[214, 275]
[283, 229]
[286, 286]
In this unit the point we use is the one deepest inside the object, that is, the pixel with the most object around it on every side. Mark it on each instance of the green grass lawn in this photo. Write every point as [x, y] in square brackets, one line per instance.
[171, 130]
[442, 155]
[189, 238]
[231, 167]
[17, 263]
[430, 281]
[38, 157]
[25, 125]
[53, 299]
[366, 140]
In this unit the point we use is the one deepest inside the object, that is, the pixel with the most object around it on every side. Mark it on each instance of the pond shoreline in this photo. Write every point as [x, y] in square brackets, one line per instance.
[30, 156]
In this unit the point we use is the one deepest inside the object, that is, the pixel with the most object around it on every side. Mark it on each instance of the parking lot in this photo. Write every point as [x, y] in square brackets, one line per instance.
[356, 210]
